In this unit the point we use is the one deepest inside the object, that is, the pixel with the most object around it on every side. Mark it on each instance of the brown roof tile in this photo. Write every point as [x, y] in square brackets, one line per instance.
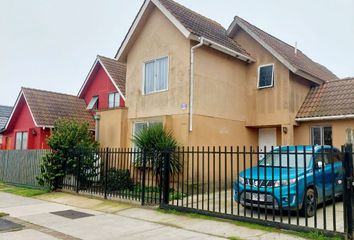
[299, 60]
[47, 107]
[333, 98]
[202, 26]
[116, 70]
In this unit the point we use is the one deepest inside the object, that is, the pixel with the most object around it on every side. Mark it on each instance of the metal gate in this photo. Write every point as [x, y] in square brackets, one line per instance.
[303, 188]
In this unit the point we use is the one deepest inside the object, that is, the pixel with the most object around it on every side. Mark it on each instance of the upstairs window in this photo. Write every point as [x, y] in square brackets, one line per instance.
[113, 100]
[266, 76]
[21, 140]
[321, 135]
[156, 76]
[93, 103]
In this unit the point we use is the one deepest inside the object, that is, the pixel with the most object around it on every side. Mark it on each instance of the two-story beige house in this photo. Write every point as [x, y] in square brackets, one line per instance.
[213, 86]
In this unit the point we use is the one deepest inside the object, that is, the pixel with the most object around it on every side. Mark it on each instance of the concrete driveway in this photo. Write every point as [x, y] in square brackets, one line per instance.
[39, 222]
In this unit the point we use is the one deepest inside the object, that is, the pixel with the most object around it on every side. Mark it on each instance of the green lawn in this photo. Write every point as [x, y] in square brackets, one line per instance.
[21, 191]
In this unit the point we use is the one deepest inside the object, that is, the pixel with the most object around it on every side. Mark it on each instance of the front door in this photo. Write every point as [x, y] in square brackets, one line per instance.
[267, 137]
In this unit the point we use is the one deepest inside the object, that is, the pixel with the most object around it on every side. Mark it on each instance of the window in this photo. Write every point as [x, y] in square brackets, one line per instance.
[321, 135]
[93, 103]
[114, 100]
[138, 126]
[21, 140]
[156, 75]
[266, 76]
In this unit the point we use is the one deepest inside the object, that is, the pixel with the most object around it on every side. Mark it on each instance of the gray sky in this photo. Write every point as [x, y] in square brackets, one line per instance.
[51, 44]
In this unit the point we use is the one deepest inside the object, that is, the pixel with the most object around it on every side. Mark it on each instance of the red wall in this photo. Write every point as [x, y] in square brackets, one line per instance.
[99, 85]
[22, 121]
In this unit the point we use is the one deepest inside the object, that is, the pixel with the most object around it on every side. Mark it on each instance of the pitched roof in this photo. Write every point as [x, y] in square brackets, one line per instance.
[284, 51]
[193, 26]
[5, 113]
[116, 70]
[334, 98]
[47, 107]
[202, 26]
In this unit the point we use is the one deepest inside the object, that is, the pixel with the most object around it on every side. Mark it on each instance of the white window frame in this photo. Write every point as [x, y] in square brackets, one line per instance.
[22, 147]
[259, 75]
[115, 94]
[148, 122]
[168, 75]
[94, 104]
[322, 133]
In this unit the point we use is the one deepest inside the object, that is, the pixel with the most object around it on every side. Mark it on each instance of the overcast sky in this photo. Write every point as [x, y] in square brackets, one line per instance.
[51, 44]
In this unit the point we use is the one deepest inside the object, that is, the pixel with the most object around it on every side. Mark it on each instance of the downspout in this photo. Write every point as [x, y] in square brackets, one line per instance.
[191, 83]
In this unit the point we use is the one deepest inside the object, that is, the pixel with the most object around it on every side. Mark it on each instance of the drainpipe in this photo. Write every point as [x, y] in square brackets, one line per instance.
[97, 118]
[191, 83]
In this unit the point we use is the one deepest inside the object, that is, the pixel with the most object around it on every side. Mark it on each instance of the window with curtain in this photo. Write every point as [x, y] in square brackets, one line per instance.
[114, 100]
[156, 75]
[21, 140]
[266, 76]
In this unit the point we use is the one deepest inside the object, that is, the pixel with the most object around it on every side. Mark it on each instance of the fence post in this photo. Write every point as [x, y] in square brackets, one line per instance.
[106, 173]
[143, 179]
[78, 155]
[166, 178]
[348, 186]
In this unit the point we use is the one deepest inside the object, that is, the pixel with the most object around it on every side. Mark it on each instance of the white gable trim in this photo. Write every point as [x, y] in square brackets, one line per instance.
[109, 76]
[131, 31]
[273, 52]
[14, 109]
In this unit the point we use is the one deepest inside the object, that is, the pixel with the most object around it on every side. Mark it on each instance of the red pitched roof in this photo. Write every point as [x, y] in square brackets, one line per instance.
[298, 61]
[334, 98]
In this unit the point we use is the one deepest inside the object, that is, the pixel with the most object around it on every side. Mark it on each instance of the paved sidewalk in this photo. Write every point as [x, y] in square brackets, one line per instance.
[110, 220]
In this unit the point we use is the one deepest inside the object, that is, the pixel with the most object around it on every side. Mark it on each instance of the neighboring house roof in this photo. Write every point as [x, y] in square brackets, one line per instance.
[47, 107]
[115, 70]
[5, 113]
[193, 26]
[332, 100]
[298, 62]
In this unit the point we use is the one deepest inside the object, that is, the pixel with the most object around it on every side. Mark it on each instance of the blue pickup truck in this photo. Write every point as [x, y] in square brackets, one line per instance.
[290, 178]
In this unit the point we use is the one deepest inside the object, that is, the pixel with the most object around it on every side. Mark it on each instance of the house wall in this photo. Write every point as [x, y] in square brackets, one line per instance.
[100, 85]
[158, 38]
[303, 134]
[113, 128]
[22, 122]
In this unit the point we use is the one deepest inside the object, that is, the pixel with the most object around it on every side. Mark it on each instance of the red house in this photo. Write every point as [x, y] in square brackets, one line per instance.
[34, 115]
[104, 87]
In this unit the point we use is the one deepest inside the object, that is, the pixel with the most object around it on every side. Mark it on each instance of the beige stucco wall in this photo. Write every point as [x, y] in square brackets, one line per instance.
[113, 128]
[303, 134]
[158, 38]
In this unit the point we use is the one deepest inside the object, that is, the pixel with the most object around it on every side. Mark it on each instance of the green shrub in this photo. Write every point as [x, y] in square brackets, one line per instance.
[156, 143]
[67, 140]
[119, 180]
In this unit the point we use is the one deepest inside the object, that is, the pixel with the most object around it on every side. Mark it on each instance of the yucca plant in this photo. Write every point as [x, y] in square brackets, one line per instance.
[155, 143]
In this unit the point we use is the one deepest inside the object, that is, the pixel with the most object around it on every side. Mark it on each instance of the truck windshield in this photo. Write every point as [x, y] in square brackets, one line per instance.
[277, 159]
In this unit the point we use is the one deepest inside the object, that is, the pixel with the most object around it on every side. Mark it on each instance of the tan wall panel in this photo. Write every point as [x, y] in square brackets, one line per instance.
[303, 134]
[158, 38]
[113, 128]
[268, 106]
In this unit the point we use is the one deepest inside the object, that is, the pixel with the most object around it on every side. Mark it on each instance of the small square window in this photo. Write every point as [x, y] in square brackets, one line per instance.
[321, 135]
[266, 76]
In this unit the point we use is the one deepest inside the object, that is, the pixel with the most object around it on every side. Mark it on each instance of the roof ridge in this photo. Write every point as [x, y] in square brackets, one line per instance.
[111, 59]
[47, 91]
[299, 50]
[342, 79]
[209, 19]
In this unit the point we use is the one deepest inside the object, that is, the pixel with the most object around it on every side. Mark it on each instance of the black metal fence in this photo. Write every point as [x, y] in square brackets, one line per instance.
[299, 188]
[116, 174]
